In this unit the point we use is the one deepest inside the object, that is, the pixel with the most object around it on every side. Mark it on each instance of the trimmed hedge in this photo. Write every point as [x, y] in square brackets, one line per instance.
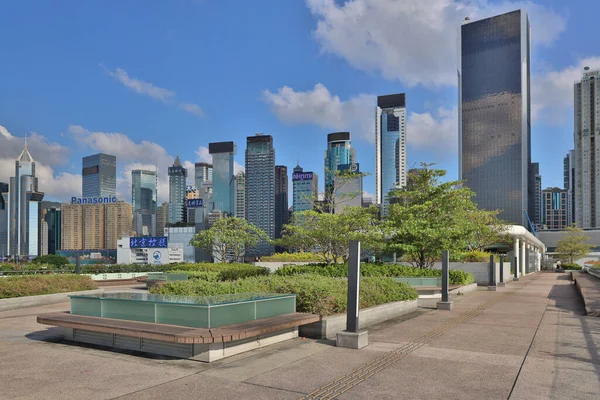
[572, 267]
[315, 294]
[457, 277]
[292, 257]
[34, 285]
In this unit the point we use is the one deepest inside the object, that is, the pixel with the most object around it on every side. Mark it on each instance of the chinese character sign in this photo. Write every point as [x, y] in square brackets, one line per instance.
[148, 242]
[194, 203]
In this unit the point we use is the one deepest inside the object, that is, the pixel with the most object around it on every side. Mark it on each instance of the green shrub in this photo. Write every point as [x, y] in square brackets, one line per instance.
[470, 256]
[53, 260]
[292, 257]
[574, 267]
[314, 293]
[33, 285]
[457, 277]
[199, 275]
[226, 272]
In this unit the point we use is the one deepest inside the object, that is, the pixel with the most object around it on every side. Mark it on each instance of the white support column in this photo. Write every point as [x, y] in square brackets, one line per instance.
[517, 255]
[523, 258]
[538, 259]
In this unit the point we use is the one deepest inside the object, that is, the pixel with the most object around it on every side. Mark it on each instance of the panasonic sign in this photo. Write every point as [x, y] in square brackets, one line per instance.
[93, 200]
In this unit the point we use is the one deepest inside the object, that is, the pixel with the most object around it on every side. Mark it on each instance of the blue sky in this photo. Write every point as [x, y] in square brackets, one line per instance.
[148, 81]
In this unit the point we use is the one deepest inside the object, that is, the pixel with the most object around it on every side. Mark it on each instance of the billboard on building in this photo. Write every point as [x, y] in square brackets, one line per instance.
[149, 242]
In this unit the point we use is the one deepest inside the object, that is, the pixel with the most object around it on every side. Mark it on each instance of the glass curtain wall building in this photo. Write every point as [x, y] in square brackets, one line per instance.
[390, 147]
[143, 199]
[305, 189]
[569, 177]
[260, 189]
[23, 208]
[53, 219]
[494, 113]
[240, 195]
[202, 173]
[99, 176]
[282, 214]
[177, 184]
[3, 220]
[587, 155]
[339, 152]
[223, 184]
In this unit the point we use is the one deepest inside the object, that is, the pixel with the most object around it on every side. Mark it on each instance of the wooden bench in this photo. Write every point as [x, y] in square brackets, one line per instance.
[204, 344]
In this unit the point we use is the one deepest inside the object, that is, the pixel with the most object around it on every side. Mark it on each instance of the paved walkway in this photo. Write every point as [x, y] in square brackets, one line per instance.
[529, 340]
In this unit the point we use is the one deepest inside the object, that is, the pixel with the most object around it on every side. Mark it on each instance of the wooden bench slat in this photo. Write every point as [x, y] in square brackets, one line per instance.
[176, 333]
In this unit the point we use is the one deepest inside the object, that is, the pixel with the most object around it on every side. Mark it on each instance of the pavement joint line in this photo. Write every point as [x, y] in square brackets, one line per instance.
[355, 377]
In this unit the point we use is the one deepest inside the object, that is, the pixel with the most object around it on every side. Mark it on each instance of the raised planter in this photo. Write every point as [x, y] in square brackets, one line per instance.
[42, 300]
[328, 327]
[113, 276]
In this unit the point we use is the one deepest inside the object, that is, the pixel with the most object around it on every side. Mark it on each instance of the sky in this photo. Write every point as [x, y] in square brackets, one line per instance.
[149, 81]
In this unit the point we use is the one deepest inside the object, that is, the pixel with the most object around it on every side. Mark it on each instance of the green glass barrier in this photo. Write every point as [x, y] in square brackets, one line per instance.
[129, 310]
[182, 315]
[231, 314]
[91, 307]
[272, 307]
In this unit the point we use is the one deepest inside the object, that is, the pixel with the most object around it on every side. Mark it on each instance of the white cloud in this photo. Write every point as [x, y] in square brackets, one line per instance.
[552, 91]
[413, 41]
[141, 87]
[192, 109]
[436, 132]
[318, 106]
[41, 149]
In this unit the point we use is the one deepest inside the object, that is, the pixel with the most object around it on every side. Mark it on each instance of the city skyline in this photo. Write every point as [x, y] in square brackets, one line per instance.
[278, 100]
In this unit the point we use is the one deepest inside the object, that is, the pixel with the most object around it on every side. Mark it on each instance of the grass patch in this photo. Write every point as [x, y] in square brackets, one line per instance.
[315, 294]
[20, 286]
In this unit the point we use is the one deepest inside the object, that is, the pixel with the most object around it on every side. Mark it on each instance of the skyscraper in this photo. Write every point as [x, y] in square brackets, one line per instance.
[305, 189]
[143, 199]
[3, 219]
[556, 208]
[587, 162]
[23, 208]
[390, 147]
[99, 176]
[53, 219]
[202, 173]
[177, 177]
[535, 198]
[222, 176]
[162, 214]
[260, 189]
[339, 151]
[569, 176]
[240, 195]
[349, 188]
[494, 113]
[282, 215]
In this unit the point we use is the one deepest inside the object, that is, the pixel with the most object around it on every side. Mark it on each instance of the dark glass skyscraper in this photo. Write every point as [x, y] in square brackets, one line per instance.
[260, 189]
[223, 185]
[99, 176]
[494, 113]
[143, 199]
[339, 152]
[282, 214]
[177, 183]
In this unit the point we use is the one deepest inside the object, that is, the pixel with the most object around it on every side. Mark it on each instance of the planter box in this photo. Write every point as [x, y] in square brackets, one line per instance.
[328, 327]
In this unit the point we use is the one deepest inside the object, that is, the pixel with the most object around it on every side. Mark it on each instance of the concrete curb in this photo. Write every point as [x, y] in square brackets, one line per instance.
[328, 327]
[463, 289]
[41, 300]
[589, 289]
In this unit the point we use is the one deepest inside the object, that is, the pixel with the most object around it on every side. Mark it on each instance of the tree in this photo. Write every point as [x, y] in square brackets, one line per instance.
[428, 216]
[51, 259]
[328, 235]
[572, 246]
[228, 238]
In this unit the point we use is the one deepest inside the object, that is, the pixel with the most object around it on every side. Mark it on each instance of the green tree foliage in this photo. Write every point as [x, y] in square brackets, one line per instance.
[327, 236]
[228, 237]
[428, 216]
[573, 245]
[54, 260]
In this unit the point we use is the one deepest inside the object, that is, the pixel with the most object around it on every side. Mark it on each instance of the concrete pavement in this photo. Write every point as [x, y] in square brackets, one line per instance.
[529, 340]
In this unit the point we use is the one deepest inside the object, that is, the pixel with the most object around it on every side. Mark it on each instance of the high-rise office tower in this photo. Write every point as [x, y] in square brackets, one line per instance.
[305, 189]
[260, 189]
[282, 215]
[349, 188]
[177, 177]
[556, 208]
[202, 173]
[222, 176]
[240, 195]
[143, 199]
[23, 208]
[99, 176]
[569, 177]
[494, 113]
[535, 194]
[53, 219]
[3, 219]
[390, 147]
[162, 218]
[339, 151]
[43, 238]
[587, 161]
